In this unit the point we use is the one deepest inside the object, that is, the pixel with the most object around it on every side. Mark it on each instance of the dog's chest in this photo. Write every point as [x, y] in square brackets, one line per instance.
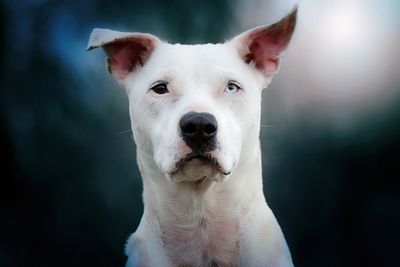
[203, 241]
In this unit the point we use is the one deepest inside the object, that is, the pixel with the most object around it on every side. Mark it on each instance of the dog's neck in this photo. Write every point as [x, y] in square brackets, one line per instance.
[201, 223]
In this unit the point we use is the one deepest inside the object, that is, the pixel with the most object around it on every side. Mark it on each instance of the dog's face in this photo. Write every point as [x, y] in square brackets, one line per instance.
[195, 109]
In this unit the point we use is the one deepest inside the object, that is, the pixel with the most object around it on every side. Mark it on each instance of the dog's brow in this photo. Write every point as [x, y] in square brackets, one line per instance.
[226, 72]
[164, 73]
[168, 69]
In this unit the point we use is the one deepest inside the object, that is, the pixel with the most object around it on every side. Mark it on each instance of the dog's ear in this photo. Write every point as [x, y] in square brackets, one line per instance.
[125, 51]
[264, 45]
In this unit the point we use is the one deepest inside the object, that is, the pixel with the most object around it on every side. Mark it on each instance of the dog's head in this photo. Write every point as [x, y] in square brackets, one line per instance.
[195, 109]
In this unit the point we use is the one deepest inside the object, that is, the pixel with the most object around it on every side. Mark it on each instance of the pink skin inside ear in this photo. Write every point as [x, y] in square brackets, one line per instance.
[125, 55]
[267, 44]
[264, 51]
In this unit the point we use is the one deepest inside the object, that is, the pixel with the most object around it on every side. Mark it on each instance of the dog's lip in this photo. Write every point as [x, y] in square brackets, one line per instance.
[199, 156]
[205, 158]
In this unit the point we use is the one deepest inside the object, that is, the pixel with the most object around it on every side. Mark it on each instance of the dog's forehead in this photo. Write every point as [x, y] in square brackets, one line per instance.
[196, 56]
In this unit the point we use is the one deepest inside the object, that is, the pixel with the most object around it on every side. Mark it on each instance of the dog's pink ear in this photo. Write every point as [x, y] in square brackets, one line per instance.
[263, 46]
[125, 51]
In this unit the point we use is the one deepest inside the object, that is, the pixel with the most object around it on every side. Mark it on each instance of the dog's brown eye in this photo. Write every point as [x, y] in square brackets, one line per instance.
[160, 88]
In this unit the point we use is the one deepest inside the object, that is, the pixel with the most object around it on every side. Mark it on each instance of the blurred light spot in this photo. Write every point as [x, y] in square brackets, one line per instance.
[344, 46]
[345, 24]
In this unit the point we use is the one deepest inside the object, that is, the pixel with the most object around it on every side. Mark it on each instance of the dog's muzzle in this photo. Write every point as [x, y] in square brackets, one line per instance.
[199, 131]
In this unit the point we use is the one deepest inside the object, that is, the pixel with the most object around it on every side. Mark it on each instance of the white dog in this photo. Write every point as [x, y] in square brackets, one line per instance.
[195, 112]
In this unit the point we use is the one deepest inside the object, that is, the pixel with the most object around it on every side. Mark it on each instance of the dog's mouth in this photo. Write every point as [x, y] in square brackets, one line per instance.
[202, 158]
[198, 166]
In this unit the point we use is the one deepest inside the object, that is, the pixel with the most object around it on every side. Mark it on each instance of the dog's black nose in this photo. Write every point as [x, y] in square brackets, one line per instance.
[199, 131]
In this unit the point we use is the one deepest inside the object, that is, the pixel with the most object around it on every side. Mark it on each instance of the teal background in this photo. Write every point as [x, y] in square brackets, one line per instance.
[70, 188]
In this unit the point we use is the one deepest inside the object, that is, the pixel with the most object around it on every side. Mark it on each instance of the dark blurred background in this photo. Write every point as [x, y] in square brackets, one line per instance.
[71, 191]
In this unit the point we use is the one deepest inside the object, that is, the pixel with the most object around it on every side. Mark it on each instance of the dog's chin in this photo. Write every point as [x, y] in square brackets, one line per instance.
[198, 169]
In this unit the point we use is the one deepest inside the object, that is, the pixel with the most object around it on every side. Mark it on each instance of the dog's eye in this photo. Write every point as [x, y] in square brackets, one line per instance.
[160, 88]
[232, 88]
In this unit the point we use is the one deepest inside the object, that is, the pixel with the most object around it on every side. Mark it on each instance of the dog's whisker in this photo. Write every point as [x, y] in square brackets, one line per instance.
[269, 126]
[203, 181]
[124, 132]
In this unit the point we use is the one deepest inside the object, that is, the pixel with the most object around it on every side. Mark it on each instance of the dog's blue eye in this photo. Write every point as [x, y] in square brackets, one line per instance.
[160, 88]
[232, 88]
